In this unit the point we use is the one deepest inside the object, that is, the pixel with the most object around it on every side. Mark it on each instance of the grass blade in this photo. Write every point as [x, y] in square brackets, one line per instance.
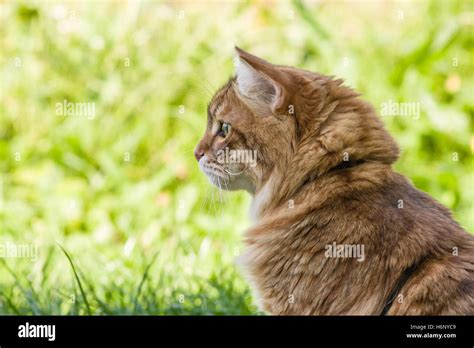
[81, 289]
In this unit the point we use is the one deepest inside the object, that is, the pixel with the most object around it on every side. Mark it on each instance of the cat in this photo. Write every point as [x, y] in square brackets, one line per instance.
[336, 230]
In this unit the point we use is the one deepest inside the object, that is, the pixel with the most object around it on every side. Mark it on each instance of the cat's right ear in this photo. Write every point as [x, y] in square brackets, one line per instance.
[260, 81]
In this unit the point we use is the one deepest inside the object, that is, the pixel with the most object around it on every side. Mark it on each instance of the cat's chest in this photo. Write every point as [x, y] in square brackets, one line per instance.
[278, 278]
[289, 280]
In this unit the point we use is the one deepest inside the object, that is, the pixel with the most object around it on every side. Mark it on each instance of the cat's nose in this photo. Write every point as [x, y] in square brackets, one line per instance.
[198, 153]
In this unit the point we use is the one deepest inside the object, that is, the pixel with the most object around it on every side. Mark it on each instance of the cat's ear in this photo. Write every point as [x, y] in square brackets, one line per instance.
[261, 81]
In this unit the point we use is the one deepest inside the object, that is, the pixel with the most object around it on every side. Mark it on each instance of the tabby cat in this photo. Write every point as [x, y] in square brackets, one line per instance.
[336, 231]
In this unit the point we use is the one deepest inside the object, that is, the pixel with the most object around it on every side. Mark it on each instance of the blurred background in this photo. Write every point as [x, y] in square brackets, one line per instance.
[116, 184]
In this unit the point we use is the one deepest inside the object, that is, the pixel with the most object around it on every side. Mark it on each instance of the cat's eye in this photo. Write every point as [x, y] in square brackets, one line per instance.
[225, 129]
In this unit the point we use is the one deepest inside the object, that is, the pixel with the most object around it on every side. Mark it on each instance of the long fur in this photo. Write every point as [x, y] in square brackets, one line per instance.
[325, 176]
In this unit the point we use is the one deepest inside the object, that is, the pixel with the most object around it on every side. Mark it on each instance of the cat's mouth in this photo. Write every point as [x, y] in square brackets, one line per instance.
[216, 173]
[227, 176]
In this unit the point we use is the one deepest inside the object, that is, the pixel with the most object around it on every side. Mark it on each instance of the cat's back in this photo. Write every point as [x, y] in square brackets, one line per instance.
[429, 257]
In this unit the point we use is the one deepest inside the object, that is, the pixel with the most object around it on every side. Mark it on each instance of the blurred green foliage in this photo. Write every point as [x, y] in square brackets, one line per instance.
[121, 192]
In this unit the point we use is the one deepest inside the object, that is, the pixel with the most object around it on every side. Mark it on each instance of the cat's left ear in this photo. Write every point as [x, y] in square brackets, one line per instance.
[261, 80]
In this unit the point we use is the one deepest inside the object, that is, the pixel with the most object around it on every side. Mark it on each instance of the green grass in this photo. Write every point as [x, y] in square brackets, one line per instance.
[142, 230]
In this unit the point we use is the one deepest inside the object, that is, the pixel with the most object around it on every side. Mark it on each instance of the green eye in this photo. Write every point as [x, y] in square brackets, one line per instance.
[225, 129]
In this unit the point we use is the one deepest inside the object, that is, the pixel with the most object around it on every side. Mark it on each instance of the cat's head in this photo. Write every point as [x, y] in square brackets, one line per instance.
[249, 126]
[277, 121]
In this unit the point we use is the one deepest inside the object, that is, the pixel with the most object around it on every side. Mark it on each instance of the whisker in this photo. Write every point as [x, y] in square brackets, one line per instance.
[206, 200]
[212, 199]
[219, 194]
[201, 86]
[243, 171]
[187, 121]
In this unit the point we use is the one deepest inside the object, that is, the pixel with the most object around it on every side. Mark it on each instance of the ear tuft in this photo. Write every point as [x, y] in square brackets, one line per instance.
[261, 82]
[253, 84]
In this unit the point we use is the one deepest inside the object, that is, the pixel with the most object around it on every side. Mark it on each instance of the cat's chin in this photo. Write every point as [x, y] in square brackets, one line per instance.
[231, 184]
[226, 179]
[219, 181]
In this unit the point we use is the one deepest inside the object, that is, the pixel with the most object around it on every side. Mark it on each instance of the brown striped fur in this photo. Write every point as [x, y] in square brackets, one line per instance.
[324, 175]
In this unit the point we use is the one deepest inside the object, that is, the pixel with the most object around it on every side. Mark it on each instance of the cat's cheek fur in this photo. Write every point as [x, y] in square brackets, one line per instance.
[242, 182]
[260, 200]
[232, 177]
